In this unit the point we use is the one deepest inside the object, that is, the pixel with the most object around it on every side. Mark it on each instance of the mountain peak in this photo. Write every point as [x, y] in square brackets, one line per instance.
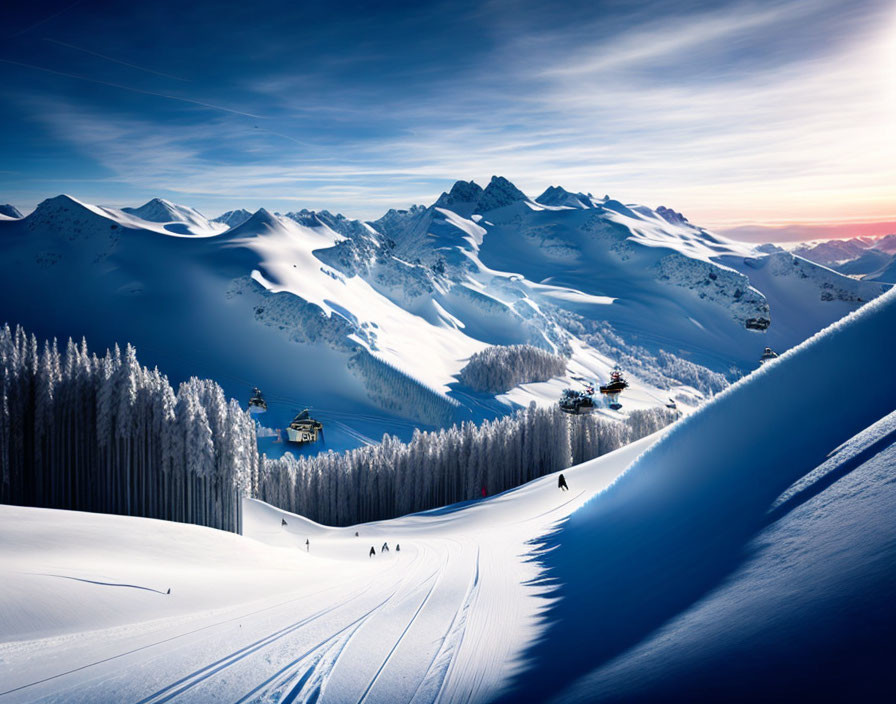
[262, 219]
[10, 211]
[161, 210]
[499, 193]
[461, 192]
[233, 218]
[559, 196]
[60, 203]
[671, 216]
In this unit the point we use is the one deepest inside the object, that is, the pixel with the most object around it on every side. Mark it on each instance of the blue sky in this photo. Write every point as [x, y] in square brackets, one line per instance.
[737, 113]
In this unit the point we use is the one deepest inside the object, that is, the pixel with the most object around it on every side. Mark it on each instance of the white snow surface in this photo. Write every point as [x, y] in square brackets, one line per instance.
[282, 302]
[86, 617]
[720, 559]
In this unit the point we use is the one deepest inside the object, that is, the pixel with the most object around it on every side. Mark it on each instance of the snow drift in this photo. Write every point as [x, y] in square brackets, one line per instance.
[709, 497]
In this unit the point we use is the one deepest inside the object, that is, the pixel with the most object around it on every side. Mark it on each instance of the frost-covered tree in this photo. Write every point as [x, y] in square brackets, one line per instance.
[445, 466]
[499, 368]
[106, 434]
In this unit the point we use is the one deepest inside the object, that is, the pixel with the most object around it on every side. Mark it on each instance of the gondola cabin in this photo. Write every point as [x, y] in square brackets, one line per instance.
[257, 404]
[304, 429]
[615, 387]
[576, 402]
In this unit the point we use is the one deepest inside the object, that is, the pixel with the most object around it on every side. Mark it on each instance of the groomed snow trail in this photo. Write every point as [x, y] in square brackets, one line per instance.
[260, 619]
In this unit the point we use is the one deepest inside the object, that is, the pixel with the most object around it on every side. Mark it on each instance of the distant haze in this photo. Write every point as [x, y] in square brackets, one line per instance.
[797, 232]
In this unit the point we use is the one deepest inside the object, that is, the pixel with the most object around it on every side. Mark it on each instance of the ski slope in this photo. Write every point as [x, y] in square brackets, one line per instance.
[747, 551]
[85, 615]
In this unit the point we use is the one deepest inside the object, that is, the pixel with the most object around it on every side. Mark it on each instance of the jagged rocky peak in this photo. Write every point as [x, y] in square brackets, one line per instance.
[308, 218]
[10, 211]
[671, 216]
[499, 193]
[553, 195]
[234, 218]
[461, 192]
[466, 197]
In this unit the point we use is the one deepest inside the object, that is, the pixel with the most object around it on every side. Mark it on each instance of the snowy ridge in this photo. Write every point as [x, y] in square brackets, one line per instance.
[422, 290]
[176, 218]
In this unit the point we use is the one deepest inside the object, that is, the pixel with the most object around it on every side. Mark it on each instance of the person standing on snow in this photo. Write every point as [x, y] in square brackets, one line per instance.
[372, 552]
[385, 547]
[398, 548]
[561, 483]
[307, 545]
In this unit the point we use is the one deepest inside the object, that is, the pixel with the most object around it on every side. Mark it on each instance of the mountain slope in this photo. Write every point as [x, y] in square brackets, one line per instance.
[656, 279]
[9, 211]
[743, 555]
[742, 490]
[371, 323]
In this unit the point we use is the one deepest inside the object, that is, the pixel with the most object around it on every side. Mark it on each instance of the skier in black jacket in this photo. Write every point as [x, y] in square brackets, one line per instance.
[561, 482]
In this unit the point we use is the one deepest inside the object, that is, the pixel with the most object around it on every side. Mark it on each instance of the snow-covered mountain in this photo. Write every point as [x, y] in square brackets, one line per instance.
[9, 211]
[233, 218]
[177, 219]
[372, 323]
[866, 258]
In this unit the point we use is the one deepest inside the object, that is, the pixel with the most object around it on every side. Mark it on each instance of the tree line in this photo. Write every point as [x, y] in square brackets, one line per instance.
[105, 434]
[447, 466]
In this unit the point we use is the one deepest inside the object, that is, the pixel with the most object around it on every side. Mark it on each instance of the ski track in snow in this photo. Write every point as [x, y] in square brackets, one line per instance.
[442, 620]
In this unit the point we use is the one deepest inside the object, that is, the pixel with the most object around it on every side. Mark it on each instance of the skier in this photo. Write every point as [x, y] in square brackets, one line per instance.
[283, 522]
[385, 547]
[372, 552]
[307, 545]
[169, 590]
[561, 483]
[483, 492]
[397, 548]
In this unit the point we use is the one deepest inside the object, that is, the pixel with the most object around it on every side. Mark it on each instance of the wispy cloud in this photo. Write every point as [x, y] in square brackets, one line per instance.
[750, 111]
[113, 60]
[131, 89]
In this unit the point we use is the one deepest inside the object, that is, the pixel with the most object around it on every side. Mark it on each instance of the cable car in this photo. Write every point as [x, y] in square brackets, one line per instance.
[576, 402]
[304, 429]
[257, 404]
[615, 387]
